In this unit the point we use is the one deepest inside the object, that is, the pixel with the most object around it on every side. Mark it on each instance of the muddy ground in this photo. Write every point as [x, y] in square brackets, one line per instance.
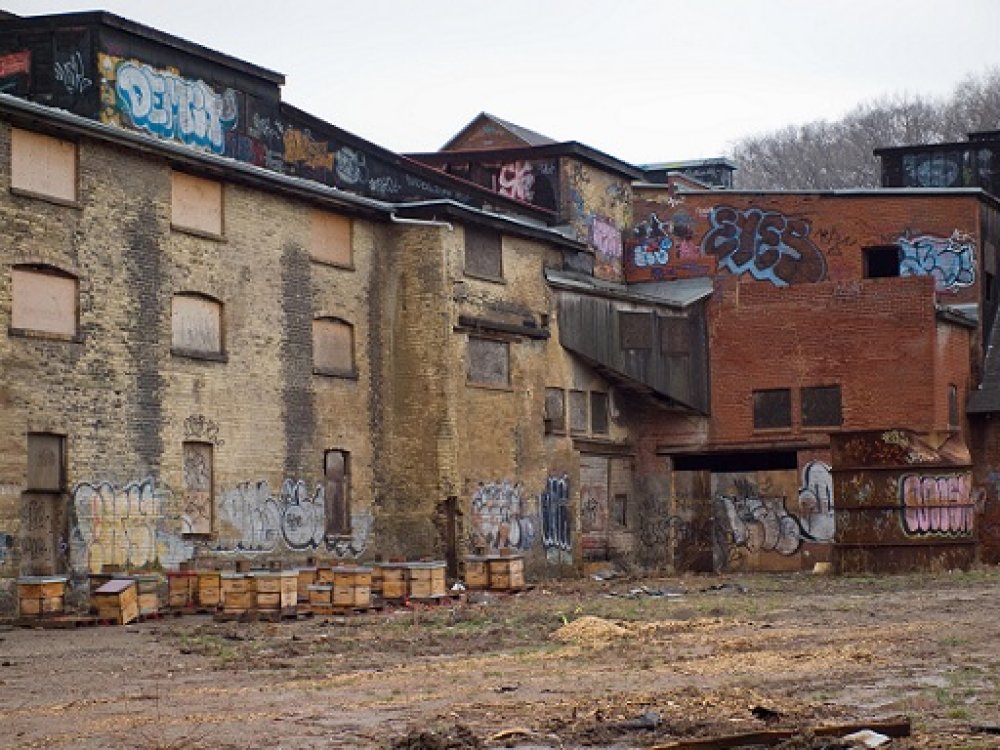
[615, 663]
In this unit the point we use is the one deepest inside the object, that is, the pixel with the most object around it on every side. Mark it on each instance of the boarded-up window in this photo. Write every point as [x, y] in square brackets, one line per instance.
[197, 324]
[336, 470]
[483, 253]
[197, 510]
[578, 411]
[555, 410]
[489, 362]
[333, 347]
[45, 462]
[772, 408]
[635, 330]
[821, 406]
[42, 165]
[196, 204]
[44, 300]
[330, 238]
[599, 413]
[619, 510]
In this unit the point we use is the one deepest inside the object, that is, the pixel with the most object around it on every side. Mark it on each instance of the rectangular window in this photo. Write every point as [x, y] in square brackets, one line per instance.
[196, 514]
[598, 413]
[619, 510]
[196, 323]
[821, 406]
[45, 462]
[555, 410]
[196, 204]
[336, 470]
[489, 362]
[483, 253]
[42, 165]
[333, 347]
[44, 301]
[330, 239]
[881, 262]
[772, 409]
[635, 330]
[578, 411]
[953, 414]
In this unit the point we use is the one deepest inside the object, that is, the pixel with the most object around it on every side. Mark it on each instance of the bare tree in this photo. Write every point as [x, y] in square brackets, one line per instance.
[826, 155]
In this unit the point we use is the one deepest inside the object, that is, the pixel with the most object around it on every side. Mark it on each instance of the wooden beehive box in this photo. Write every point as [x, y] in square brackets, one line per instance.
[148, 587]
[306, 578]
[506, 573]
[41, 595]
[324, 576]
[182, 589]
[395, 580]
[321, 598]
[352, 587]
[477, 572]
[209, 589]
[238, 593]
[117, 600]
[276, 590]
[427, 580]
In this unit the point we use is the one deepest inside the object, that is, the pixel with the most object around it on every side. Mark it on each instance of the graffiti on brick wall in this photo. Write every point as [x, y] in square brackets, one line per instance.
[655, 241]
[127, 525]
[72, 74]
[759, 522]
[606, 239]
[517, 180]
[816, 516]
[6, 544]
[941, 504]
[253, 520]
[200, 427]
[950, 260]
[14, 68]
[765, 244]
[501, 517]
[167, 105]
[556, 536]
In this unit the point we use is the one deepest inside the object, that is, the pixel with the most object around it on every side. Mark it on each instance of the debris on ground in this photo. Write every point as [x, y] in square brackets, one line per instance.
[866, 738]
[458, 737]
[734, 588]
[589, 630]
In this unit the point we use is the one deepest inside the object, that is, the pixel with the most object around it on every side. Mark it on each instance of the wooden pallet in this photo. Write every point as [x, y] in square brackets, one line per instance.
[58, 622]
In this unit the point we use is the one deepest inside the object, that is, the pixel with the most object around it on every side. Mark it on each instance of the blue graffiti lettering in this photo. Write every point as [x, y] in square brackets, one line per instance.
[950, 260]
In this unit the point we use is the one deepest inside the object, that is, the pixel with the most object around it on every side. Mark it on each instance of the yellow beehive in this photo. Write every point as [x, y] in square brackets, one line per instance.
[427, 580]
[306, 578]
[238, 593]
[148, 587]
[352, 587]
[209, 589]
[506, 573]
[276, 590]
[182, 588]
[395, 581]
[118, 601]
[41, 595]
[477, 572]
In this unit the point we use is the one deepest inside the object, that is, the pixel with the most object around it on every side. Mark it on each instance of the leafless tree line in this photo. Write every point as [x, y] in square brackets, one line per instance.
[825, 155]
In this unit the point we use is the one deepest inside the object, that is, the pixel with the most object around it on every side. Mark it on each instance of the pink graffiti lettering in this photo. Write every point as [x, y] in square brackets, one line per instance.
[937, 504]
[16, 62]
[606, 238]
[517, 180]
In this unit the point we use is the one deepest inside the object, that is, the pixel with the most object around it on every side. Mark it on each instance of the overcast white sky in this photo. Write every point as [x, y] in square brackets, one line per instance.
[644, 80]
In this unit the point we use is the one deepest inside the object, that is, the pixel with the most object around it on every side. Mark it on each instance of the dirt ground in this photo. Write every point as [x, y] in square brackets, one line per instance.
[617, 663]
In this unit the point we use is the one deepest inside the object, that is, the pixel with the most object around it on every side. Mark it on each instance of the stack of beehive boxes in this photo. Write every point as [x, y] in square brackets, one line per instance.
[117, 601]
[276, 592]
[39, 596]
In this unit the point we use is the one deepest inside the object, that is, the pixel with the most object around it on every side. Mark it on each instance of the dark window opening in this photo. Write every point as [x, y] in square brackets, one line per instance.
[336, 470]
[953, 406]
[599, 413]
[821, 407]
[881, 262]
[555, 410]
[619, 510]
[772, 409]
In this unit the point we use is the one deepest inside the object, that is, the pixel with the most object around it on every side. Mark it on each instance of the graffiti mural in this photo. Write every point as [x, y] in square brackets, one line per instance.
[816, 517]
[656, 242]
[937, 504]
[168, 106]
[765, 244]
[950, 260]
[253, 520]
[758, 522]
[125, 526]
[14, 70]
[500, 517]
[555, 516]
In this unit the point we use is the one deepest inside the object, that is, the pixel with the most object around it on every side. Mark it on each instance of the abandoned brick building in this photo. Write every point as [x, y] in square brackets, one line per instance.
[235, 331]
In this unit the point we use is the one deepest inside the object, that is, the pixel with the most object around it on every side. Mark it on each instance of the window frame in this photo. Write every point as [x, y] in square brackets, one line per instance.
[29, 192]
[203, 354]
[488, 384]
[44, 269]
[484, 234]
[877, 256]
[805, 395]
[759, 412]
[197, 231]
[319, 216]
[555, 424]
[348, 373]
